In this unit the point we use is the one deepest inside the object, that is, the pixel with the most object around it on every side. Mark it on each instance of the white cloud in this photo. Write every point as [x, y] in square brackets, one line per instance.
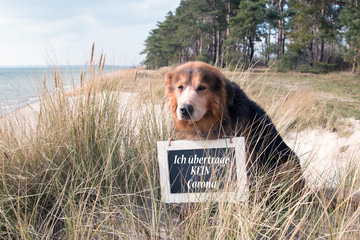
[33, 32]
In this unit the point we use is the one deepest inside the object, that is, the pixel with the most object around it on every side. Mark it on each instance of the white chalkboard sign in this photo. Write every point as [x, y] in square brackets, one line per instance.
[196, 171]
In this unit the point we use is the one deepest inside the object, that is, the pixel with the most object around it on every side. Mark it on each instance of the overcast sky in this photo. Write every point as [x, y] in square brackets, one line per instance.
[42, 32]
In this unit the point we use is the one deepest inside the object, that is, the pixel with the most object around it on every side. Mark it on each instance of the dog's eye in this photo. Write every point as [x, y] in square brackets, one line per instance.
[181, 87]
[201, 88]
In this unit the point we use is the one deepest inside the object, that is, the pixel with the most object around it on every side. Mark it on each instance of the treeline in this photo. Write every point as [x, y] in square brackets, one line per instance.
[302, 35]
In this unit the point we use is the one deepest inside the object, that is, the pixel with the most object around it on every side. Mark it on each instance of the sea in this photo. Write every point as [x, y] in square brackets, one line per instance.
[21, 86]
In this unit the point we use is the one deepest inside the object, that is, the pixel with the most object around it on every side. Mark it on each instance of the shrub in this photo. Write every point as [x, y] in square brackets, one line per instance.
[203, 58]
[287, 62]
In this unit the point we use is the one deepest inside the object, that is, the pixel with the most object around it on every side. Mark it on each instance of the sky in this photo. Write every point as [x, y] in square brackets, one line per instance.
[54, 32]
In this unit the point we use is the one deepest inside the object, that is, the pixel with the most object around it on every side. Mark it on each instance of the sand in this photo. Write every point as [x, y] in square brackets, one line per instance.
[325, 154]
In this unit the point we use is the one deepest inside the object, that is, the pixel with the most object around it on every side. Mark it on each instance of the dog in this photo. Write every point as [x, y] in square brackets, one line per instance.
[206, 105]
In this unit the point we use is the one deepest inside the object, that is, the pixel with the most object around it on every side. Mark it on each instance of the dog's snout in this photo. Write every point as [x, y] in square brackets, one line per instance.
[186, 111]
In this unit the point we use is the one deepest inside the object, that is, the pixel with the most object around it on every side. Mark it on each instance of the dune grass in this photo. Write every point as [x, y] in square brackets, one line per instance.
[88, 169]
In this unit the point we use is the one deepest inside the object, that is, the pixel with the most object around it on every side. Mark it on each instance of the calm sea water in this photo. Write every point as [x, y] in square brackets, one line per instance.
[19, 86]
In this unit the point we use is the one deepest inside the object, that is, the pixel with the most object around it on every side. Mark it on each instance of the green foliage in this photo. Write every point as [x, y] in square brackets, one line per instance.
[295, 62]
[287, 62]
[301, 35]
[162, 43]
[203, 58]
[315, 30]
[195, 31]
[246, 28]
[350, 19]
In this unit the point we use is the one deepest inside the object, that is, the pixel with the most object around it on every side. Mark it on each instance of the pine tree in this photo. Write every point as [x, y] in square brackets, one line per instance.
[314, 29]
[162, 46]
[227, 32]
[247, 27]
[350, 18]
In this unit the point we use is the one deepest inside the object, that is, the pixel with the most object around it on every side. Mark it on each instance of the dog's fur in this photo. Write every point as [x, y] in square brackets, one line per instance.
[221, 109]
[207, 105]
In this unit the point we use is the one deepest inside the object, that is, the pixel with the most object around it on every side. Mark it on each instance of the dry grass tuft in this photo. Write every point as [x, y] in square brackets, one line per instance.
[88, 170]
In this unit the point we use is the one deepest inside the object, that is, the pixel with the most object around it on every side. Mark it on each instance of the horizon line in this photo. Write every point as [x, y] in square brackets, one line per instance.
[65, 65]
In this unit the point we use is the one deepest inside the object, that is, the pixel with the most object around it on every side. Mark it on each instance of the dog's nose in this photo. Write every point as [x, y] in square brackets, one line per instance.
[186, 111]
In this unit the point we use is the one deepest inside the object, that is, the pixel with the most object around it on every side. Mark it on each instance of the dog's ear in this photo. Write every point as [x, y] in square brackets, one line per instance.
[168, 83]
[230, 93]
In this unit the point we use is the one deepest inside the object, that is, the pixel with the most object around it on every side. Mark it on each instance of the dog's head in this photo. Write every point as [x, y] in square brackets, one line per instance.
[197, 92]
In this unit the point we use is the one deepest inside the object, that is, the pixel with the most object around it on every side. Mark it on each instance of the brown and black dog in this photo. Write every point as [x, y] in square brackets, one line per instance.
[206, 105]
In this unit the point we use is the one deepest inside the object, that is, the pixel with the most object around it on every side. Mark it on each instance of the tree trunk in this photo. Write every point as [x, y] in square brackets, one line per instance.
[227, 33]
[251, 47]
[310, 51]
[214, 45]
[245, 50]
[266, 54]
[200, 42]
[355, 60]
[283, 42]
[182, 55]
[321, 51]
[281, 35]
[228, 18]
[321, 47]
[331, 51]
[218, 48]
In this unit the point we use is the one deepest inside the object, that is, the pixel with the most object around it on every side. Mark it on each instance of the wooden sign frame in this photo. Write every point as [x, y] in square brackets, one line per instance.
[221, 154]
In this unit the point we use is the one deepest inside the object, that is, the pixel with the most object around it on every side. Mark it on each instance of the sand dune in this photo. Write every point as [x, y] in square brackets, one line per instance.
[324, 154]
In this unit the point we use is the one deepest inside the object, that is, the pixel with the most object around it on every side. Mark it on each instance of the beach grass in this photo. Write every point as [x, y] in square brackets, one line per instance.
[85, 166]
